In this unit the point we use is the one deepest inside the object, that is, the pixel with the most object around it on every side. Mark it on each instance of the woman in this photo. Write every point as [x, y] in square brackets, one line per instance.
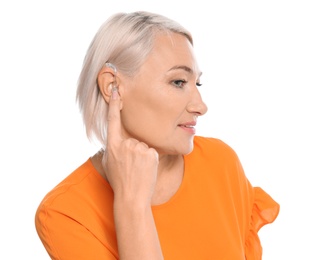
[155, 190]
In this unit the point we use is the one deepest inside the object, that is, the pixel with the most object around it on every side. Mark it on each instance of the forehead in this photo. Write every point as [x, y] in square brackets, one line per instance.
[172, 50]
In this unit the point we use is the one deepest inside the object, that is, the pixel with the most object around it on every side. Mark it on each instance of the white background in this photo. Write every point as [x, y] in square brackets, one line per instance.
[255, 56]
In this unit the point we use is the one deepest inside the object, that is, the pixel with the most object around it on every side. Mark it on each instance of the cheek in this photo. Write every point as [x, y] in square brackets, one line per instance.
[141, 117]
[133, 115]
[151, 114]
[148, 118]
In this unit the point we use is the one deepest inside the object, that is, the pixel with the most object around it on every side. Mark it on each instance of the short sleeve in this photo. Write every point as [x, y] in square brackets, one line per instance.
[265, 210]
[65, 238]
[75, 219]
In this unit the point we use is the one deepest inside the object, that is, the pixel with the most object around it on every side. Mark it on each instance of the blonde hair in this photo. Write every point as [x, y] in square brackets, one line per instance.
[124, 40]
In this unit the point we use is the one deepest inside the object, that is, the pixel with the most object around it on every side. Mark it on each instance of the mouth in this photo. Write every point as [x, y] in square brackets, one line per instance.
[188, 127]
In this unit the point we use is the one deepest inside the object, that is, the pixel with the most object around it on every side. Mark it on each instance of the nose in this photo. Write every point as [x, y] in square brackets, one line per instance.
[196, 104]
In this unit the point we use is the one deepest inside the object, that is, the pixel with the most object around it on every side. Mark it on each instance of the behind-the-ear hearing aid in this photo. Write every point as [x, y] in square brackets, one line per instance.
[110, 65]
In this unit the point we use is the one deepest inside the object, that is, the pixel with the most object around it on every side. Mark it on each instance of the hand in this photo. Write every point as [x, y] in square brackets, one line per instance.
[130, 166]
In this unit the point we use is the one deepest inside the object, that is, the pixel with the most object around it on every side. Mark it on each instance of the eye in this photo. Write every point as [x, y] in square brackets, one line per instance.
[179, 83]
[198, 84]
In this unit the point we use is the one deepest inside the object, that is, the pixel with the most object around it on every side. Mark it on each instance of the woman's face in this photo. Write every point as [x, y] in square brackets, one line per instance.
[161, 103]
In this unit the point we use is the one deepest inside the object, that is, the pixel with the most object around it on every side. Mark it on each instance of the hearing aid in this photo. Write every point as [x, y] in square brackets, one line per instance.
[112, 66]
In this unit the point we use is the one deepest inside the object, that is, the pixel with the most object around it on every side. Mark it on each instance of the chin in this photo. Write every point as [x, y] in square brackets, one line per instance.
[188, 150]
[184, 148]
[179, 146]
[176, 150]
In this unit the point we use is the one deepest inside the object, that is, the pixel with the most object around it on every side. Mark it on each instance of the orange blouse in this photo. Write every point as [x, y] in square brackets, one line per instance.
[215, 214]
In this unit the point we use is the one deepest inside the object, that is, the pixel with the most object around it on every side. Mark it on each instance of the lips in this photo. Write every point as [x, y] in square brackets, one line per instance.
[188, 127]
[188, 124]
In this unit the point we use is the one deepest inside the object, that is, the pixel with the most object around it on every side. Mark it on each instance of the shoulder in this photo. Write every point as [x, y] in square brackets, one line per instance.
[213, 147]
[216, 157]
[79, 184]
[75, 178]
[75, 192]
[78, 207]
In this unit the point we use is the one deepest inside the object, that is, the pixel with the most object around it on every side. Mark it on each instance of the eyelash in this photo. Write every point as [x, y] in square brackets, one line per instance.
[176, 83]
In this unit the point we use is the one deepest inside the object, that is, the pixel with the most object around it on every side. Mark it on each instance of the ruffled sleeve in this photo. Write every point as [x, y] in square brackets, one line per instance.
[265, 210]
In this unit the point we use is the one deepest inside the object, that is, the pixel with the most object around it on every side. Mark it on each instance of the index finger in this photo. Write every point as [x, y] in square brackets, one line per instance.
[114, 117]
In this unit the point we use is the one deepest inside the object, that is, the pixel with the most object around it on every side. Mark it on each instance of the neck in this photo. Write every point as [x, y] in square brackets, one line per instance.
[169, 177]
[168, 162]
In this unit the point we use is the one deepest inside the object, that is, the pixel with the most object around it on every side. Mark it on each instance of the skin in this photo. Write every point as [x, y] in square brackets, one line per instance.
[155, 104]
[150, 128]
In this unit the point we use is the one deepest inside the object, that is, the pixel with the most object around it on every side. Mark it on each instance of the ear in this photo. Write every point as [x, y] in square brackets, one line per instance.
[106, 80]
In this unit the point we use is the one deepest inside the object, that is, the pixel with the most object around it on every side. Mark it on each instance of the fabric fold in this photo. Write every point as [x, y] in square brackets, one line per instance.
[265, 210]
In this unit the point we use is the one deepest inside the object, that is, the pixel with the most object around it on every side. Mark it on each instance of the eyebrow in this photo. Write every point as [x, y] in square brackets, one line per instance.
[187, 69]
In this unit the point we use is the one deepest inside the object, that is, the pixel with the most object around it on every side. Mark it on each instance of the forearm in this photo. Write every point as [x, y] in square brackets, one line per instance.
[136, 232]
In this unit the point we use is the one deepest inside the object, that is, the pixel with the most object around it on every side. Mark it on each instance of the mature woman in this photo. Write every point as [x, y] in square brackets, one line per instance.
[155, 190]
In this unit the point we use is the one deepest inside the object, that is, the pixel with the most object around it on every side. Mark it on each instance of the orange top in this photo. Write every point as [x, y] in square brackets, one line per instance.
[215, 214]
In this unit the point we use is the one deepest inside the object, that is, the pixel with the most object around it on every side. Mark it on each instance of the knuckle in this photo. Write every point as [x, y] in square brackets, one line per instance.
[153, 153]
[130, 144]
[143, 145]
[130, 141]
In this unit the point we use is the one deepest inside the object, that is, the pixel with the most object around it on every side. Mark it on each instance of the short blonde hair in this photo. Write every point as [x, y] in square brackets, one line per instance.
[124, 40]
